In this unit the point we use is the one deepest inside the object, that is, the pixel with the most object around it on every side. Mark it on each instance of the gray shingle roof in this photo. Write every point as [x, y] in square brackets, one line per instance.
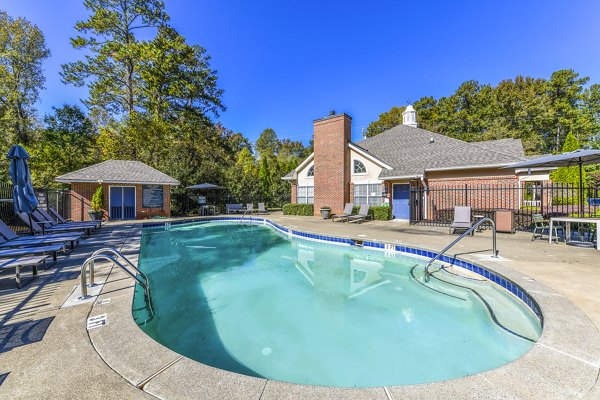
[119, 171]
[411, 151]
[509, 147]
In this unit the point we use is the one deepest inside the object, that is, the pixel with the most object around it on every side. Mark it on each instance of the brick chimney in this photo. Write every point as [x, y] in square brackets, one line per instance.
[332, 161]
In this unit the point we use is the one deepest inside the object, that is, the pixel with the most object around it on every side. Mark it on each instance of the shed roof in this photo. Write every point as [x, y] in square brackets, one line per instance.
[119, 171]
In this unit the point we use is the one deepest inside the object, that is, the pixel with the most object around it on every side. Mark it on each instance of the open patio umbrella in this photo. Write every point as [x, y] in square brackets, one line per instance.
[579, 158]
[24, 199]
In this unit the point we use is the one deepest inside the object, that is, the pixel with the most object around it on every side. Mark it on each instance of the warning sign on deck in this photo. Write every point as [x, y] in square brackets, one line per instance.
[97, 321]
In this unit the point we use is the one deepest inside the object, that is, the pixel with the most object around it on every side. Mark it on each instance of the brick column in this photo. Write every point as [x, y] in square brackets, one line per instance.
[294, 198]
[332, 162]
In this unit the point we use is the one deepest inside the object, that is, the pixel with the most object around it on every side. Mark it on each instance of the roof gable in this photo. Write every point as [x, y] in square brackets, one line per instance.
[119, 171]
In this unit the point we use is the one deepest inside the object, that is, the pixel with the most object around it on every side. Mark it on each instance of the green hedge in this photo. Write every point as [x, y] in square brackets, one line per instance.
[298, 209]
[381, 213]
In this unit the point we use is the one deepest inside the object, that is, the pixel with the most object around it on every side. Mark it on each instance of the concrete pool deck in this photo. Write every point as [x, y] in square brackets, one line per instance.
[47, 352]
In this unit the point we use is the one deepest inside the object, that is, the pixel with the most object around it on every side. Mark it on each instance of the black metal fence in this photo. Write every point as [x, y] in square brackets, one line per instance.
[59, 199]
[189, 203]
[435, 205]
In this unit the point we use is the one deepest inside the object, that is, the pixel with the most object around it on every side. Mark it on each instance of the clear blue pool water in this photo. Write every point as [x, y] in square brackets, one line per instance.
[248, 299]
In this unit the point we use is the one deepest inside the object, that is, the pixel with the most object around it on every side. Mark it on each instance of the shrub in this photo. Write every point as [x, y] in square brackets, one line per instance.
[380, 213]
[298, 209]
[97, 203]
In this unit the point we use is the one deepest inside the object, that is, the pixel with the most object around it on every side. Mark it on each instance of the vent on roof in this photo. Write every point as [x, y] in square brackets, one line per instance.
[431, 140]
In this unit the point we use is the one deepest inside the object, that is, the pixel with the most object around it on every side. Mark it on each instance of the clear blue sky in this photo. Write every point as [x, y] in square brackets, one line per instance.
[283, 63]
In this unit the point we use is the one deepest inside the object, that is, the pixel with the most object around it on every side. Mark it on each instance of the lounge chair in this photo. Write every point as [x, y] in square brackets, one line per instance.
[42, 216]
[462, 219]
[35, 227]
[540, 225]
[262, 209]
[363, 214]
[54, 216]
[61, 219]
[17, 263]
[14, 240]
[234, 208]
[249, 208]
[345, 214]
[51, 249]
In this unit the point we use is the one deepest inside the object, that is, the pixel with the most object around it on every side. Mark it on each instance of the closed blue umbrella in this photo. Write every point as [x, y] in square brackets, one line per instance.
[24, 198]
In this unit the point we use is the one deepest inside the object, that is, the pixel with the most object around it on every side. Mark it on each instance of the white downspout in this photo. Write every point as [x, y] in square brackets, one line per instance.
[426, 195]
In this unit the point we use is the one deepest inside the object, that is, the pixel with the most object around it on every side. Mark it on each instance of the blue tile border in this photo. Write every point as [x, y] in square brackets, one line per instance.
[475, 268]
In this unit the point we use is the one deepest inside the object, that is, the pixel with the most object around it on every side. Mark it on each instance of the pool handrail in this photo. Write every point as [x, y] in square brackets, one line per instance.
[458, 239]
[98, 255]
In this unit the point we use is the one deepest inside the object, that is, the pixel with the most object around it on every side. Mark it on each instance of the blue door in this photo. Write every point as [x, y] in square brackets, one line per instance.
[122, 202]
[400, 201]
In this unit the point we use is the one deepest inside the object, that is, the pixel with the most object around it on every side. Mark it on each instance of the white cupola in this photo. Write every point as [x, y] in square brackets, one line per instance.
[409, 117]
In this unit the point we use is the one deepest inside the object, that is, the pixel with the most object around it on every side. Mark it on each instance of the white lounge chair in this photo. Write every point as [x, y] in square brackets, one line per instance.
[262, 209]
[462, 219]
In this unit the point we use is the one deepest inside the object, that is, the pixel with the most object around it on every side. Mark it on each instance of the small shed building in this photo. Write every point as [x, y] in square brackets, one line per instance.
[132, 190]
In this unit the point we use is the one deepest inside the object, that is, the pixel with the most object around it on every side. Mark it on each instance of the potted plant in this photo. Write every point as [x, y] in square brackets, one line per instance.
[325, 212]
[96, 211]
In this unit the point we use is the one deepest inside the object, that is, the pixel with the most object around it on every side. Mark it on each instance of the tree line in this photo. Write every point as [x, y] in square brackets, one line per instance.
[540, 112]
[154, 100]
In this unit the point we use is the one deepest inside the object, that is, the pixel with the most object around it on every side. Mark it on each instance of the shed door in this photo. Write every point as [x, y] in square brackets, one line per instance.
[400, 201]
[122, 202]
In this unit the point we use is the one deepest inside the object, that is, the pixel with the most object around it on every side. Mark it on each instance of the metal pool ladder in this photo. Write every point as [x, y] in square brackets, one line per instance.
[458, 239]
[113, 255]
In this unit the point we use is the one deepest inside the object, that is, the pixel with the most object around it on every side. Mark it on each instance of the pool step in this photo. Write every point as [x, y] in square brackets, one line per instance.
[499, 303]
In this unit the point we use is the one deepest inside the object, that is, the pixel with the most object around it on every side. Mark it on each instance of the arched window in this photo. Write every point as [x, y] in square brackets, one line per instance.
[359, 167]
[311, 171]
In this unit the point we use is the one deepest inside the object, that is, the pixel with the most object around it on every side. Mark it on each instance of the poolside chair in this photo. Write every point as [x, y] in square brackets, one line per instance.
[35, 227]
[51, 249]
[14, 240]
[17, 263]
[42, 216]
[344, 215]
[233, 208]
[250, 208]
[540, 225]
[262, 209]
[52, 213]
[462, 219]
[363, 214]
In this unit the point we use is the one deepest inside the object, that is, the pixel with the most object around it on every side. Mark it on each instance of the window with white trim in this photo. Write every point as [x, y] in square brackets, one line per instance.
[359, 167]
[306, 194]
[370, 194]
[311, 172]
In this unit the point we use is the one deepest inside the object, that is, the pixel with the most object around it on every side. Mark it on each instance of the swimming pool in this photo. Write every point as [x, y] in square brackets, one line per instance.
[252, 300]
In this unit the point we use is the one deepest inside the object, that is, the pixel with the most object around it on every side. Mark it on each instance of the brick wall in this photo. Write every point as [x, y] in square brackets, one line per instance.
[490, 192]
[332, 162]
[81, 197]
[294, 197]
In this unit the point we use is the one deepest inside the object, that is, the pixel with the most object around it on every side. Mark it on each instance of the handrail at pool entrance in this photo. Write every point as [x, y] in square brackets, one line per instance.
[101, 255]
[458, 239]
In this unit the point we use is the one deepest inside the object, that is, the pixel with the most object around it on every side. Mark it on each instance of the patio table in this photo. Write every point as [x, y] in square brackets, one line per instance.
[569, 220]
